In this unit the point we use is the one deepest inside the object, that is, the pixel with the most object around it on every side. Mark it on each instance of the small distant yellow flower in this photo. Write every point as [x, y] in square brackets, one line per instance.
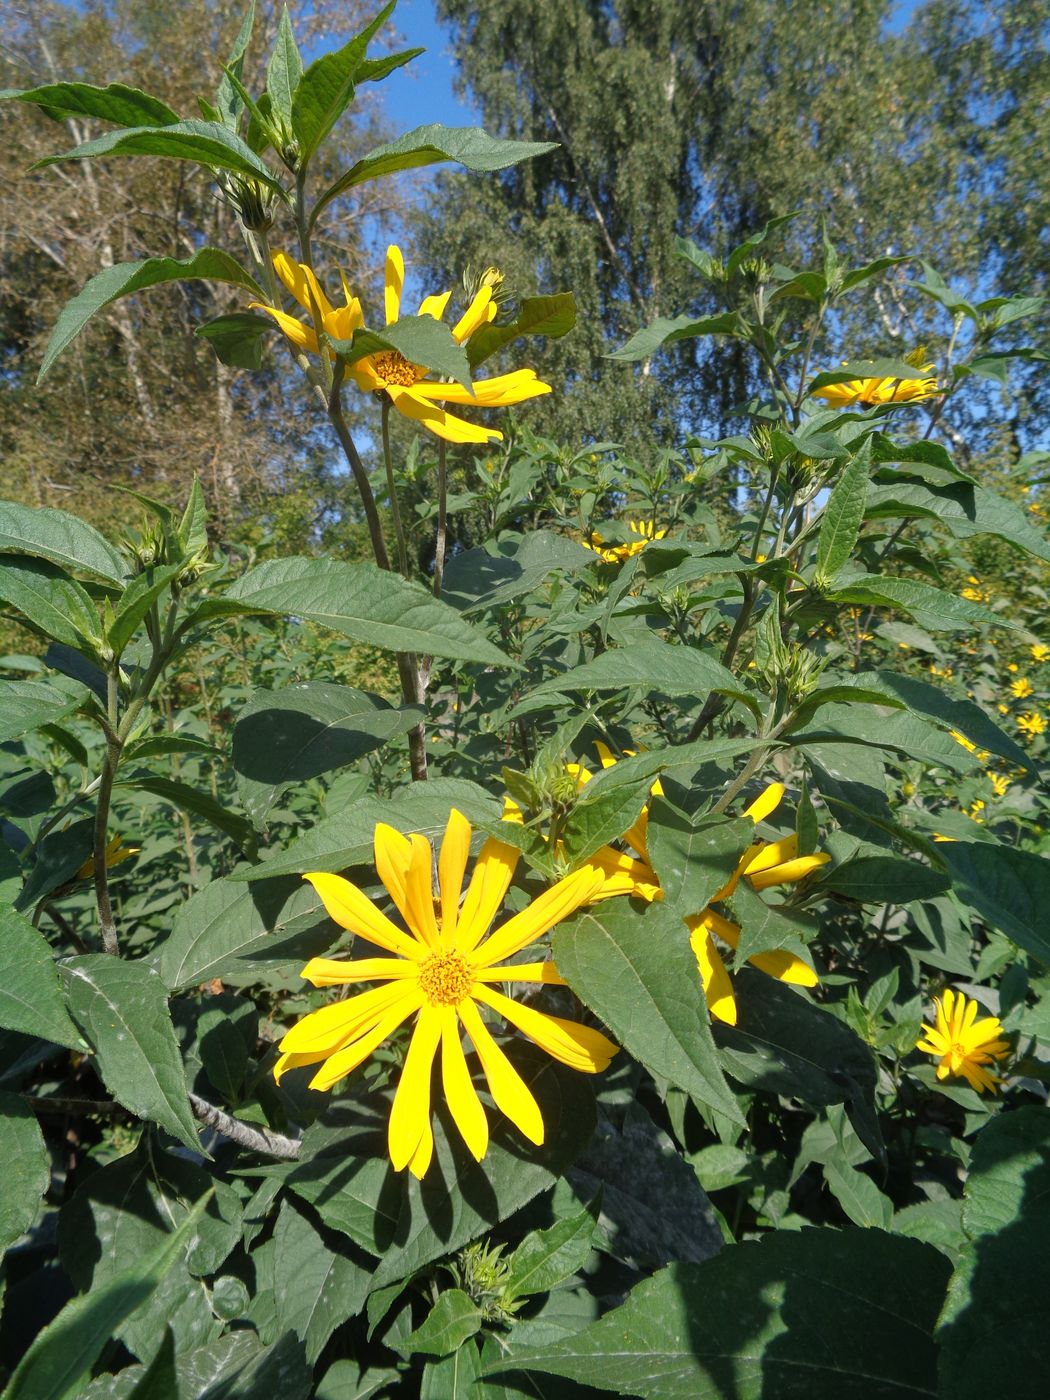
[869, 392]
[962, 1044]
[1040, 652]
[903, 646]
[444, 969]
[945, 672]
[1021, 688]
[974, 811]
[645, 532]
[116, 851]
[1000, 783]
[1013, 666]
[760, 558]
[974, 590]
[1031, 723]
[1003, 709]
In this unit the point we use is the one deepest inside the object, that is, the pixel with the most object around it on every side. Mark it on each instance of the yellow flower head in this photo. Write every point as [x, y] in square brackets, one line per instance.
[869, 392]
[442, 971]
[1040, 652]
[1000, 783]
[339, 322]
[764, 865]
[974, 590]
[643, 530]
[1021, 688]
[962, 1044]
[116, 851]
[1031, 723]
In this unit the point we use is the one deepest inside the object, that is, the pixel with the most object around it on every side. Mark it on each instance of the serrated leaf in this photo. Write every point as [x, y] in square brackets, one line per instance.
[227, 100]
[655, 665]
[667, 330]
[315, 1286]
[135, 602]
[452, 1320]
[963, 508]
[841, 520]
[191, 799]
[122, 1009]
[694, 860]
[29, 705]
[27, 1168]
[206, 143]
[884, 879]
[858, 1195]
[1010, 889]
[551, 316]
[61, 538]
[285, 69]
[326, 89]
[546, 1258]
[366, 603]
[237, 338]
[31, 998]
[50, 601]
[638, 974]
[111, 283]
[930, 607]
[126, 106]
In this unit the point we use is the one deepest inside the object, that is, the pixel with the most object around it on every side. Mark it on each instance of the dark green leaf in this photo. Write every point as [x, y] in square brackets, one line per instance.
[139, 596]
[841, 521]
[930, 607]
[548, 1257]
[227, 100]
[694, 860]
[858, 1195]
[111, 283]
[191, 799]
[285, 70]
[206, 143]
[237, 338]
[28, 705]
[50, 601]
[57, 859]
[966, 510]
[315, 1286]
[326, 89]
[30, 996]
[159, 1381]
[452, 1320]
[879, 879]
[654, 665]
[126, 106]
[1010, 889]
[666, 330]
[27, 1169]
[62, 539]
[550, 316]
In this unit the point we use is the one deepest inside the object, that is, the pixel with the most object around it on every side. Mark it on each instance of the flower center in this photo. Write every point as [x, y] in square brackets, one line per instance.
[392, 366]
[446, 978]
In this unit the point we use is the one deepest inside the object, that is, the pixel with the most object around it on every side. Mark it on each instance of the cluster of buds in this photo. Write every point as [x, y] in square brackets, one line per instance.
[483, 1275]
[254, 203]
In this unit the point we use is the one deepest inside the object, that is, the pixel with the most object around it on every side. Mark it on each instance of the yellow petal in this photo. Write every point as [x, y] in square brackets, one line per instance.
[423, 1154]
[509, 1091]
[335, 972]
[544, 972]
[771, 853]
[410, 1115]
[434, 305]
[768, 802]
[790, 872]
[393, 281]
[441, 424]
[455, 851]
[297, 333]
[302, 284]
[717, 987]
[405, 866]
[364, 375]
[460, 1094]
[500, 392]
[287, 1061]
[493, 871]
[575, 1045]
[477, 314]
[623, 875]
[327, 1030]
[785, 967]
[339, 1065]
[353, 910]
[344, 320]
[548, 909]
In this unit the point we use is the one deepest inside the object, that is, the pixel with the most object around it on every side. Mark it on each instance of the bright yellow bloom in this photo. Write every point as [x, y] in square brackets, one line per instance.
[869, 392]
[644, 532]
[339, 322]
[945, 672]
[1000, 783]
[1031, 724]
[1021, 688]
[1003, 709]
[764, 865]
[1013, 666]
[962, 1044]
[1040, 652]
[444, 968]
[974, 590]
[116, 851]
[967, 744]
[975, 809]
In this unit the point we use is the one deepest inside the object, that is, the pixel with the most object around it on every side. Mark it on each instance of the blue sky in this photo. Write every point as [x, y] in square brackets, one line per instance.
[422, 90]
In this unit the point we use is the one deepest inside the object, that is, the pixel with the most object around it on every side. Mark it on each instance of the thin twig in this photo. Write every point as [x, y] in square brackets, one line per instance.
[263, 1140]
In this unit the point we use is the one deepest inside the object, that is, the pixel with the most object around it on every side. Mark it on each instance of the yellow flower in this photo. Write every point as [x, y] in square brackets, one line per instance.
[1040, 652]
[1031, 724]
[869, 392]
[1000, 783]
[974, 591]
[974, 811]
[1013, 666]
[1003, 709]
[967, 744]
[962, 1044]
[442, 971]
[116, 851]
[764, 865]
[945, 672]
[388, 372]
[1021, 688]
[643, 530]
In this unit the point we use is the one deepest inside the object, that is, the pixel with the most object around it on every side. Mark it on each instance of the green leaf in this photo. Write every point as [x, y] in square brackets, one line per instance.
[158, 745]
[551, 316]
[841, 521]
[50, 601]
[456, 1377]
[283, 737]
[858, 1195]
[315, 1286]
[60, 1359]
[211, 264]
[930, 607]
[60, 538]
[422, 340]
[742, 1324]
[884, 879]
[694, 860]
[365, 603]
[57, 859]
[227, 99]
[205, 143]
[326, 89]
[477, 579]
[235, 931]
[452, 1320]
[430, 145]
[126, 106]
[191, 799]
[638, 973]
[743, 251]
[654, 665]
[135, 602]
[28, 705]
[237, 338]
[666, 330]
[994, 1328]
[767, 928]
[964, 509]
[548, 1257]
[159, 1381]
[122, 1009]
[285, 70]
[602, 816]
[31, 998]
[27, 1169]
[1010, 889]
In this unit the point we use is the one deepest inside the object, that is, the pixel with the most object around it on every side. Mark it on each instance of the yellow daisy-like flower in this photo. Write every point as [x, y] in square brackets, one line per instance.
[1040, 652]
[443, 970]
[339, 322]
[962, 1044]
[974, 590]
[869, 392]
[1031, 724]
[764, 865]
[1000, 783]
[1021, 688]
[116, 851]
[644, 531]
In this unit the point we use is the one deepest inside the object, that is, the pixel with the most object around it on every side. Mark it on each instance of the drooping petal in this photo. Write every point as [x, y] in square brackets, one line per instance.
[288, 1061]
[500, 392]
[393, 282]
[480, 311]
[442, 424]
[546, 910]
[717, 987]
[575, 1045]
[392, 852]
[455, 851]
[353, 910]
[302, 284]
[771, 853]
[330, 1028]
[493, 871]
[510, 1092]
[354, 1053]
[344, 320]
[363, 373]
[460, 1094]
[790, 872]
[434, 305]
[297, 333]
[784, 966]
[410, 1115]
[765, 803]
[623, 875]
[544, 972]
[335, 972]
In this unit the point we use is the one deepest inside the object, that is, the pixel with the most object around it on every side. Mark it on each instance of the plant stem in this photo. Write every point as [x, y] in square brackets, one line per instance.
[395, 508]
[357, 467]
[758, 757]
[110, 943]
[442, 521]
[263, 1140]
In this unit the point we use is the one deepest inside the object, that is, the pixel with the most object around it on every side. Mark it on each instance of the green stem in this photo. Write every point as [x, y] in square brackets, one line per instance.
[442, 520]
[758, 757]
[357, 467]
[395, 508]
[110, 943]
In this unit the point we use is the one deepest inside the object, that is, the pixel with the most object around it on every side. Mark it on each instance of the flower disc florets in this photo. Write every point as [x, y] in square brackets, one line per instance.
[445, 978]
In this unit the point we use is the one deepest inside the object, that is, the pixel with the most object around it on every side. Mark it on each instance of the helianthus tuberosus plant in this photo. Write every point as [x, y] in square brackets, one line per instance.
[418, 1053]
